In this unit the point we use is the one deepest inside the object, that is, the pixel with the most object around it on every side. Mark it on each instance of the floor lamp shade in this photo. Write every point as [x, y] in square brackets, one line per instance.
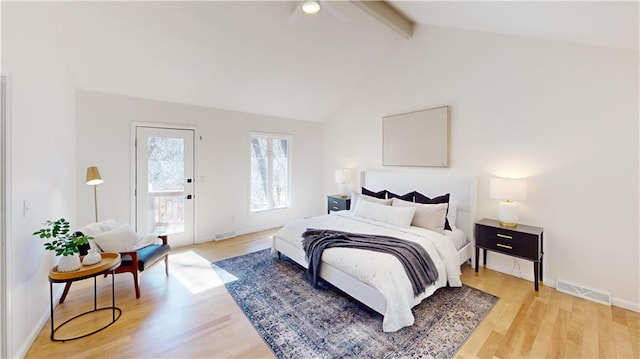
[94, 179]
[508, 190]
[93, 176]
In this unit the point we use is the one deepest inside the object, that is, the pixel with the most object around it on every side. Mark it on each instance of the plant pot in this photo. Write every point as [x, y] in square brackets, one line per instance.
[92, 257]
[69, 263]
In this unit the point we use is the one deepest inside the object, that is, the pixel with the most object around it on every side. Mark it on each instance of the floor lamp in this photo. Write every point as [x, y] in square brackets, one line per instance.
[94, 179]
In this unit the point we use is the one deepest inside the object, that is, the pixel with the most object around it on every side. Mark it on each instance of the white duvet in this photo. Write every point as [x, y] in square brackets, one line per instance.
[381, 271]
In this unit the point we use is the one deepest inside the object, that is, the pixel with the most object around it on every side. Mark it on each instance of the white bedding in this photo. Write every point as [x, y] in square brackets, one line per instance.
[380, 270]
[457, 237]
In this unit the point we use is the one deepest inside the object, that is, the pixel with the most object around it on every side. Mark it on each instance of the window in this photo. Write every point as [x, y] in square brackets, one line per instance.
[270, 171]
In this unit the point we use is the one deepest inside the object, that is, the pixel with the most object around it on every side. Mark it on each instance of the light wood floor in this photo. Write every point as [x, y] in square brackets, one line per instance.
[190, 314]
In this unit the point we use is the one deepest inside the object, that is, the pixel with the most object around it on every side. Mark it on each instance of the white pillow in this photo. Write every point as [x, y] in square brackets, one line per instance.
[94, 228]
[356, 196]
[453, 211]
[119, 239]
[397, 216]
[429, 216]
[144, 241]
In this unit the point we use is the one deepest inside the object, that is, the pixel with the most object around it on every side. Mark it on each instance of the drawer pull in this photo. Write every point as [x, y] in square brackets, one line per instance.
[335, 202]
[503, 246]
[504, 236]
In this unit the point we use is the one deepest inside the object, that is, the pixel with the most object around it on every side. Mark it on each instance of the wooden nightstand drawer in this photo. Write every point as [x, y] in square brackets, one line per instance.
[337, 203]
[508, 242]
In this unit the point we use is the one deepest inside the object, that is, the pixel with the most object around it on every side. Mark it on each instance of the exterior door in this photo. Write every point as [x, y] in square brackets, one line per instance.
[164, 191]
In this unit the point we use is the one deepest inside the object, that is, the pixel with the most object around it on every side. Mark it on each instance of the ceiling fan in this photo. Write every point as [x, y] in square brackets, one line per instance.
[313, 7]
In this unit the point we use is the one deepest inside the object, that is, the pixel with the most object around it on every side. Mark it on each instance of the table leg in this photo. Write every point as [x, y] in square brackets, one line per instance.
[95, 294]
[113, 295]
[51, 302]
[484, 256]
[477, 258]
[541, 255]
[536, 272]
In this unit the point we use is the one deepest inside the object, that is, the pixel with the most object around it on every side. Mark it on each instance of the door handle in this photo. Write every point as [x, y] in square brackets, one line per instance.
[189, 196]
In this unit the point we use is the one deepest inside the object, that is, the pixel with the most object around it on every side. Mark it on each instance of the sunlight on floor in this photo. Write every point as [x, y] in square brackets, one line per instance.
[196, 273]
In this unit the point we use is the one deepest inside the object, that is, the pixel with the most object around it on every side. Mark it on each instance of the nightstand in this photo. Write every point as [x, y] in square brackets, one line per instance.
[337, 203]
[522, 242]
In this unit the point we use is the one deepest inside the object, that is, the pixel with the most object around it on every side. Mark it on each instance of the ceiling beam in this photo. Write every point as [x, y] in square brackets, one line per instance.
[387, 15]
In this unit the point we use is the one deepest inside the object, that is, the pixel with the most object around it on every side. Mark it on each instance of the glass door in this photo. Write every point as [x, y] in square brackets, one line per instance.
[165, 183]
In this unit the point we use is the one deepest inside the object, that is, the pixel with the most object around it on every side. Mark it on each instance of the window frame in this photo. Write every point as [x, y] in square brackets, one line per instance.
[270, 137]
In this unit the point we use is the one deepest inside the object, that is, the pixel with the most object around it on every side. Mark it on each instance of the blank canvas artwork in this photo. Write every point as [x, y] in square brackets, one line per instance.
[418, 138]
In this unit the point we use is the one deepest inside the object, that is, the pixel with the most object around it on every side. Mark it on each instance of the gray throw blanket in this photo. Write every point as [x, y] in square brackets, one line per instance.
[414, 258]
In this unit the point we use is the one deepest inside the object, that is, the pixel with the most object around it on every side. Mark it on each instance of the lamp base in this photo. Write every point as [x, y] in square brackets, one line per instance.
[508, 224]
[343, 190]
[508, 214]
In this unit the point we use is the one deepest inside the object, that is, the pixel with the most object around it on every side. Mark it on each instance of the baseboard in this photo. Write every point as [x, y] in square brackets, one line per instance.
[233, 234]
[527, 274]
[31, 338]
[634, 307]
[525, 271]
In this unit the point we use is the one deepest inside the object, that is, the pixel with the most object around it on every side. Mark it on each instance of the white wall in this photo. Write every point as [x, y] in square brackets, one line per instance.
[564, 116]
[222, 161]
[42, 172]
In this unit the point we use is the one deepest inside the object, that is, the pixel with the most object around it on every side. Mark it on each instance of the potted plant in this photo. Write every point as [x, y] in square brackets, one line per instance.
[64, 244]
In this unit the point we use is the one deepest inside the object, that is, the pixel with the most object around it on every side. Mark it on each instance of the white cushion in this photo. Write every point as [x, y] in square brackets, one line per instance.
[119, 239]
[452, 214]
[94, 228]
[144, 241]
[428, 216]
[397, 216]
[356, 196]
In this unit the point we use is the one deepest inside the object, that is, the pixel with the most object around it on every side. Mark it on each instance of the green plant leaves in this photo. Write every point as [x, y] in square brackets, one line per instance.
[65, 243]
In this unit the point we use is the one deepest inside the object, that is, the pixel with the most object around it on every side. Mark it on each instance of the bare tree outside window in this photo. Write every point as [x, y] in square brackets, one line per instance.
[270, 172]
[166, 184]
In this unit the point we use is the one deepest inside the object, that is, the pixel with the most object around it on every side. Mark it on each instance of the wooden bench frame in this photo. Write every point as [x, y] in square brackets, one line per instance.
[132, 268]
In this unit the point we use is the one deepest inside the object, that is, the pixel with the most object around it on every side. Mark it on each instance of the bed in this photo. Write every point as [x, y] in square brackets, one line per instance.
[378, 279]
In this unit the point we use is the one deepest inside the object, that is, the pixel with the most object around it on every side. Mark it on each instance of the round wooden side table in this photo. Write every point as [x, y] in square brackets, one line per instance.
[109, 263]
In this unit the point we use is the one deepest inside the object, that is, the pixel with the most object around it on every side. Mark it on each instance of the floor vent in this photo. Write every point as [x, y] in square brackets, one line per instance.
[225, 235]
[585, 293]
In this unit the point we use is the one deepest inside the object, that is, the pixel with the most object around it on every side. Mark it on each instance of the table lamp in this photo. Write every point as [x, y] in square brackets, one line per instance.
[508, 190]
[343, 177]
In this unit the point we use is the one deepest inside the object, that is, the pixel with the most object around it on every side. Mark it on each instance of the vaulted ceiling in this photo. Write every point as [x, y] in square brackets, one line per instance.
[250, 56]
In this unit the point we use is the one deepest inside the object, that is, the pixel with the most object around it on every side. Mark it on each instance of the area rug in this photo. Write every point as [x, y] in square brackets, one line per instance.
[298, 321]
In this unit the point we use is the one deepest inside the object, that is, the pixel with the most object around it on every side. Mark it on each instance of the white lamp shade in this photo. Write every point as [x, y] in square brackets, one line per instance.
[343, 176]
[508, 189]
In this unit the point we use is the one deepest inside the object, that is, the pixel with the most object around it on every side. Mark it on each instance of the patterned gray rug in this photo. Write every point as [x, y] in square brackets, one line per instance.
[298, 321]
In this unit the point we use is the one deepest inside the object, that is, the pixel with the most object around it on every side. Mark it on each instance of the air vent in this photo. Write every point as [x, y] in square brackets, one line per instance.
[225, 235]
[581, 292]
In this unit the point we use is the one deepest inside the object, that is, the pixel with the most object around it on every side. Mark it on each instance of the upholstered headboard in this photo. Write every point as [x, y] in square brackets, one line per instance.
[461, 187]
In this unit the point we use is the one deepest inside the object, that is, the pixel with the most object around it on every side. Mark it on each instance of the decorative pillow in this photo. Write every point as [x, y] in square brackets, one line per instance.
[382, 194]
[452, 213]
[94, 228]
[405, 197]
[420, 198]
[356, 196]
[397, 216]
[119, 239]
[429, 216]
[147, 240]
